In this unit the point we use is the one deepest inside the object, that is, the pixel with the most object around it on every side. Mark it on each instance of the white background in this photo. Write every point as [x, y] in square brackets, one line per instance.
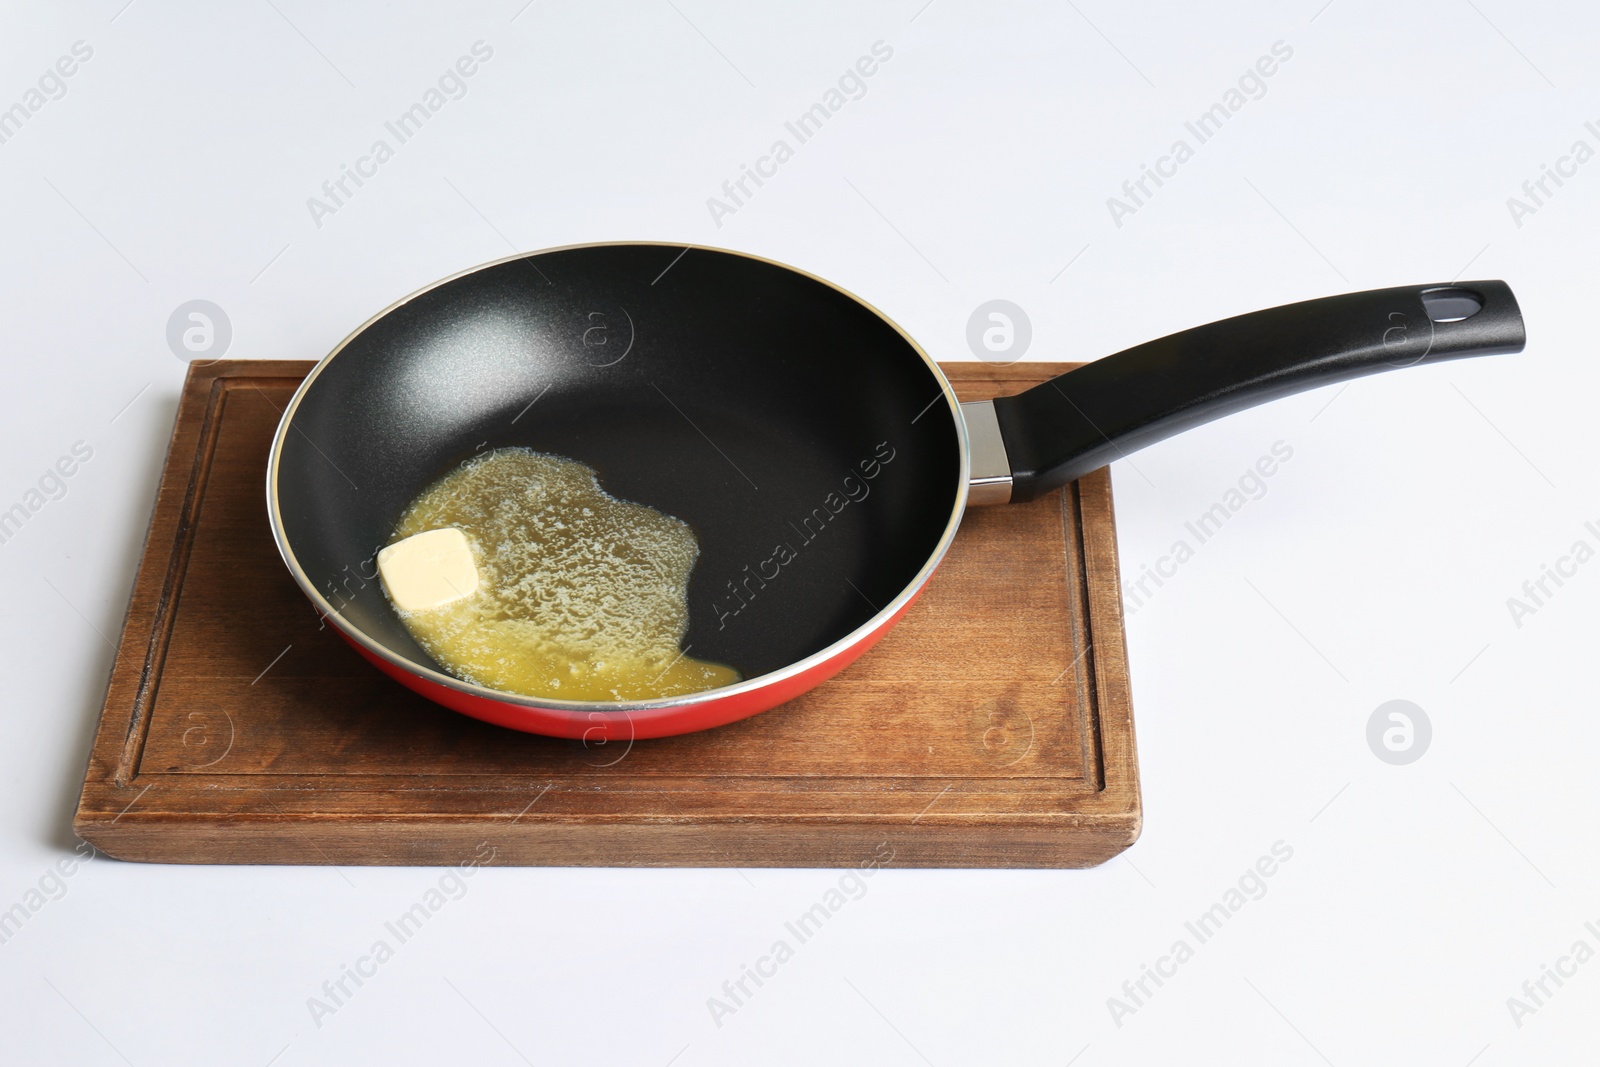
[977, 166]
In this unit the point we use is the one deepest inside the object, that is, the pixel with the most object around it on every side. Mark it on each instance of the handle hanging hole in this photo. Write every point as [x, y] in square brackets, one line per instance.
[1451, 305]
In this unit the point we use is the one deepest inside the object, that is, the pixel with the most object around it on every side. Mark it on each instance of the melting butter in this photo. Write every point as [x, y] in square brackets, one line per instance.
[580, 596]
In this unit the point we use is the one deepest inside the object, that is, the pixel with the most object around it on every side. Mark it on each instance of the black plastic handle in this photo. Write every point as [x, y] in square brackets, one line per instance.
[1086, 418]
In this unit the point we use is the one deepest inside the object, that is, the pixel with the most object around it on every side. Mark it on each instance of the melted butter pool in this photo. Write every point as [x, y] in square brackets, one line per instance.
[581, 596]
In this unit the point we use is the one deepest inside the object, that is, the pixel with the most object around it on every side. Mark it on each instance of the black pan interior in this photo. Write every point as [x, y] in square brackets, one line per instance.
[743, 397]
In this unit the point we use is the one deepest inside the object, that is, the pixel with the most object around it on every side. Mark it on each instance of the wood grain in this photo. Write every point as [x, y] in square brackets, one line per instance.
[990, 728]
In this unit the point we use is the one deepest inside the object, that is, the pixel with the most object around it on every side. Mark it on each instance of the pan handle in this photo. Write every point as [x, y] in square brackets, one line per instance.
[1086, 418]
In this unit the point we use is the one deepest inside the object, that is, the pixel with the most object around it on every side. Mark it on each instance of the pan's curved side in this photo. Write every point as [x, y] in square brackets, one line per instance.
[598, 724]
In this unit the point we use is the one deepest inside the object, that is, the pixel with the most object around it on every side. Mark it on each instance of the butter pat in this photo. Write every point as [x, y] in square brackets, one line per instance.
[428, 570]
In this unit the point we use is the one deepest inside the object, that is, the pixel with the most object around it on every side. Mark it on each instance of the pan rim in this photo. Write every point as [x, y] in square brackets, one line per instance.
[875, 624]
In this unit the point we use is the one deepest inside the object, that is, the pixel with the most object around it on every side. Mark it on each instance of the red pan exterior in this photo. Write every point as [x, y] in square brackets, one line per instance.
[599, 727]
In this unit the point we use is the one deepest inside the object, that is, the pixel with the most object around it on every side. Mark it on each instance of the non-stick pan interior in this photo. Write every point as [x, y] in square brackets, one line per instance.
[746, 398]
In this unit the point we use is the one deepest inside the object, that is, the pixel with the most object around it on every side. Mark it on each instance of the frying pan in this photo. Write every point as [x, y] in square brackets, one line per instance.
[772, 411]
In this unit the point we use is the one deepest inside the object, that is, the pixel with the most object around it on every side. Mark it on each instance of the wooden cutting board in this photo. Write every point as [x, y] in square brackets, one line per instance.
[991, 728]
